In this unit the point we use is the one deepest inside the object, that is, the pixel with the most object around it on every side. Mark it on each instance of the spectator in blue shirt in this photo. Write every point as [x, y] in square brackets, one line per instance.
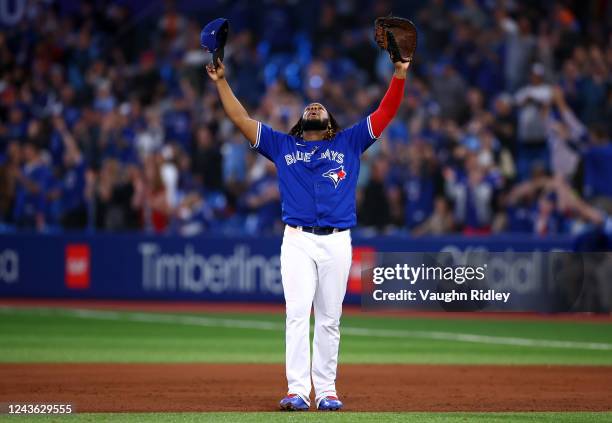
[598, 168]
[473, 196]
[17, 126]
[419, 184]
[72, 185]
[177, 123]
[193, 215]
[262, 201]
[33, 182]
[234, 152]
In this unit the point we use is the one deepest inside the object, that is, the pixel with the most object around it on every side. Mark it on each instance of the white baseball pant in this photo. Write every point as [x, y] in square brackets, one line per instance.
[314, 270]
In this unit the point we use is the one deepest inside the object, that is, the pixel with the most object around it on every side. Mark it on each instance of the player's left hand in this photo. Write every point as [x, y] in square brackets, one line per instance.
[401, 69]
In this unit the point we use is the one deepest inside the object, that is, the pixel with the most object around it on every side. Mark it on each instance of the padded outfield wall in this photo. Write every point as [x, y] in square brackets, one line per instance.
[135, 266]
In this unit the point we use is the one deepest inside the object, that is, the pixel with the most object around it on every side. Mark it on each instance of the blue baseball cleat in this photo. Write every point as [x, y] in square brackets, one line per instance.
[293, 402]
[330, 404]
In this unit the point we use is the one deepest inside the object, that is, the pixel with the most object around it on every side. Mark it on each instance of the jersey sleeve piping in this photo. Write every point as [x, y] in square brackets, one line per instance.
[370, 128]
[258, 137]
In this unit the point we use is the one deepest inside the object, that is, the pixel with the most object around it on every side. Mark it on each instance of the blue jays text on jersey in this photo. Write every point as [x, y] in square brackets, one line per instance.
[317, 179]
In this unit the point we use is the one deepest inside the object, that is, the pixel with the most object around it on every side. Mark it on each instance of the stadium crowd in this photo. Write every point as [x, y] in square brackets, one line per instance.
[108, 121]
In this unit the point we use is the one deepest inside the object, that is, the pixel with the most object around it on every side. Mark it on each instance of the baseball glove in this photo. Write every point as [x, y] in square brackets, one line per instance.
[396, 35]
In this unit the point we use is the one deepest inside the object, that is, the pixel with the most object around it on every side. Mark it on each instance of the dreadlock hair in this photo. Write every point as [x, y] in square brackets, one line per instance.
[332, 128]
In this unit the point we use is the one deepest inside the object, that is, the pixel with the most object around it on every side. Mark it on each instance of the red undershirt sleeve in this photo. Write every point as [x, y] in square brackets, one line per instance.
[388, 107]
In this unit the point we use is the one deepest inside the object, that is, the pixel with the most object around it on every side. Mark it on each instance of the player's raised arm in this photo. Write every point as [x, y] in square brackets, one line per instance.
[235, 111]
[390, 103]
[398, 36]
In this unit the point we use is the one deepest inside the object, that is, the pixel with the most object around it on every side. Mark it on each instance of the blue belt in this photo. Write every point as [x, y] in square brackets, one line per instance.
[319, 230]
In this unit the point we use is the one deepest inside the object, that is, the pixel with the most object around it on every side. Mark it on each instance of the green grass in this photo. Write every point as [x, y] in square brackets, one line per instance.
[566, 417]
[34, 335]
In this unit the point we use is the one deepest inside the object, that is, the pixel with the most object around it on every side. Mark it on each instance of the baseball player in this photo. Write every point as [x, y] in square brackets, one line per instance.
[318, 164]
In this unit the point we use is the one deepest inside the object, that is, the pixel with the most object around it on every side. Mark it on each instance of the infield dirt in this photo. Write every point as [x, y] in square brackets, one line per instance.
[259, 387]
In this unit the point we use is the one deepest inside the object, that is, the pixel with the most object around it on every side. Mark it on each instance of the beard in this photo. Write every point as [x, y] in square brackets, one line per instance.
[315, 124]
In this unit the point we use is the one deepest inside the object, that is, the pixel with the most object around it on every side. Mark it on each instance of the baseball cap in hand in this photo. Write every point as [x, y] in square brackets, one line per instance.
[214, 36]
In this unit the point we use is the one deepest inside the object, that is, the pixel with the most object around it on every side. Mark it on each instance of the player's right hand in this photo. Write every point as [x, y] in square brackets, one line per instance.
[216, 73]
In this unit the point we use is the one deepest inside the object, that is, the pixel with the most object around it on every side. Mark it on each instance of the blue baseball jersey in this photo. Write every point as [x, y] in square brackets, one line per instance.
[317, 179]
